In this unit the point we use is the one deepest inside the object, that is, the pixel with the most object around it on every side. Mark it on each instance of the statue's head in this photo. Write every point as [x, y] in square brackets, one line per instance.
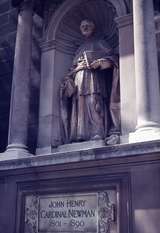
[87, 28]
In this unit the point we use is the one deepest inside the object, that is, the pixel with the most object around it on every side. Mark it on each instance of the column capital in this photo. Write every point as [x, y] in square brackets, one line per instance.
[26, 5]
[23, 4]
[124, 21]
[16, 3]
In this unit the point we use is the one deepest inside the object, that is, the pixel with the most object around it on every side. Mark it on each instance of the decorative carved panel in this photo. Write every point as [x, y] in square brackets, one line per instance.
[81, 212]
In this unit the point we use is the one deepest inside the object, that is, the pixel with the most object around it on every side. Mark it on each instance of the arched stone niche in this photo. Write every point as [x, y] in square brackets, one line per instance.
[70, 6]
[62, 38]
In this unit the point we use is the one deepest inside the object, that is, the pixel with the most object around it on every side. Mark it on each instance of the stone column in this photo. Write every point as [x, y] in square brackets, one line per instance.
[146, 73]
[19, 109]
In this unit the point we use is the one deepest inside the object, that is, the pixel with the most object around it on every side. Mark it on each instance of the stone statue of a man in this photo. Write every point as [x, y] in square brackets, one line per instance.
[90, 92]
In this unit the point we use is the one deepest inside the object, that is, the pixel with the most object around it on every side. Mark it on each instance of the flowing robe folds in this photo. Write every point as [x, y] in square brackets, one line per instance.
[94, 109]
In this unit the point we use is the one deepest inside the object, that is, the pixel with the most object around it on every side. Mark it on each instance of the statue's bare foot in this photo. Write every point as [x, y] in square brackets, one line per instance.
[112, 139]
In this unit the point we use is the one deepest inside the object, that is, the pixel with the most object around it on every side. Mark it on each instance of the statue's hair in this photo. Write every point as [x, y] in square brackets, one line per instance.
[88, 21]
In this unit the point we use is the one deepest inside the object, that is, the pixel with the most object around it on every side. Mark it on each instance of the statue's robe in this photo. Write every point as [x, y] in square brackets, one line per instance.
[95, 105]
[90, 99]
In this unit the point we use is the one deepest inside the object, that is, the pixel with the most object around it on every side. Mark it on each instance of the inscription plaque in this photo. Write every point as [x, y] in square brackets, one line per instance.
[68, 213]
[74, 213]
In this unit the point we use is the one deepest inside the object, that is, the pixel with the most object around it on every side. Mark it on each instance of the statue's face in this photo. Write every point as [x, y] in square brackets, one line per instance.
[87, 28]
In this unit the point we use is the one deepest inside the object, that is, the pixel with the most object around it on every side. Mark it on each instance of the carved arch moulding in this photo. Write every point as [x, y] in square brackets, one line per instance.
[119, 6]
[63, 26]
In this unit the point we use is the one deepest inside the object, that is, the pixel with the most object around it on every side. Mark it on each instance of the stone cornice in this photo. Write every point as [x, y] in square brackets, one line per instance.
[124, 154]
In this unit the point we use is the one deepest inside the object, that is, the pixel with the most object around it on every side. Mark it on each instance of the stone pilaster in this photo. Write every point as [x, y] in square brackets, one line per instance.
[19, 109]
[127, 75]
[146, 73]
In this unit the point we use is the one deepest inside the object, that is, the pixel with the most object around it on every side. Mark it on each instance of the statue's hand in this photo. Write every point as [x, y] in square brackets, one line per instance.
[95, 64]
[101, 63]
[105, 64]
[81, 66]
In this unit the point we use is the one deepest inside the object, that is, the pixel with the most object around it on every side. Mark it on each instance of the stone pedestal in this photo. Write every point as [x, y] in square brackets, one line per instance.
[19, 113]
[129, 174]
[146, 73]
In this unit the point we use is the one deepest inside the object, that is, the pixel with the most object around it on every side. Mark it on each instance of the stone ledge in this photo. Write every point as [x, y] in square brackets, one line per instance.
[8, 160]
